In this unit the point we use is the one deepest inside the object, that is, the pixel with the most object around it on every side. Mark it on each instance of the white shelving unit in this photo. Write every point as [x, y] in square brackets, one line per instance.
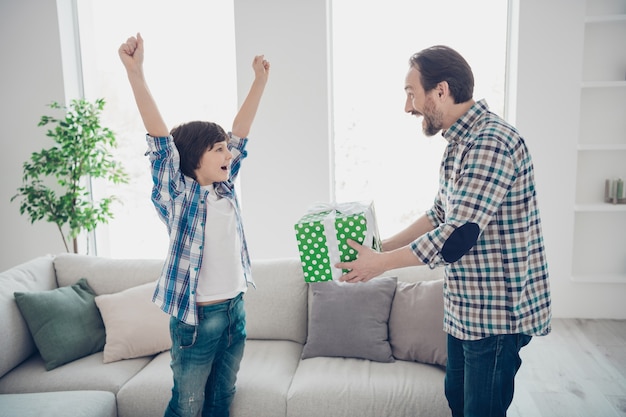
[599, 227]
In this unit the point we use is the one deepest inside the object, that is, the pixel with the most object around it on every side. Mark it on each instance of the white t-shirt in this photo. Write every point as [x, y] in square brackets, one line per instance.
[221, 274]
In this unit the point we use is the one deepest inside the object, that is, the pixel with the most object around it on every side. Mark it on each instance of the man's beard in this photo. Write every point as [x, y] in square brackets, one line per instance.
[433, 118]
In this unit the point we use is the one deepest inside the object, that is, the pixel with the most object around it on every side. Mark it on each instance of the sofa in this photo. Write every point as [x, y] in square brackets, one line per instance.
[314, 349]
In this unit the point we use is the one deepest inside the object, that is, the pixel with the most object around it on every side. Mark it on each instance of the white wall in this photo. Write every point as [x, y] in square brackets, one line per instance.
[289, 152]
[31, 76]
[289, 159]
[548, 107]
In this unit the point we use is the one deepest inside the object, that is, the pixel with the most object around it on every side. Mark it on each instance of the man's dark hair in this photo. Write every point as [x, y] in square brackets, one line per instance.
[442, 63]
[193, 139]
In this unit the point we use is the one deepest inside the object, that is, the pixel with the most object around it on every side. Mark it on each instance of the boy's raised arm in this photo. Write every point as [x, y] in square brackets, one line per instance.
[131, 53]
[244, 118]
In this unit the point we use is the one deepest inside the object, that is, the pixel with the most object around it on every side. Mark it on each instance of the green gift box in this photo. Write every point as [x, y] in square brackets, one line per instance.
[322, 235]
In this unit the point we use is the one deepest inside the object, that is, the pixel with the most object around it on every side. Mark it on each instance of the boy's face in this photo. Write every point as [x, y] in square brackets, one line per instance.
[214, 164]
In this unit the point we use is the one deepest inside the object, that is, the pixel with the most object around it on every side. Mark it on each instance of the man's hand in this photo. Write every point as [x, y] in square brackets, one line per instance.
[131, 53]
[369, 264]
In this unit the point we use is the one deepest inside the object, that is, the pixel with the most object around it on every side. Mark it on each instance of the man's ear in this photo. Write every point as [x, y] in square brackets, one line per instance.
[442, 89]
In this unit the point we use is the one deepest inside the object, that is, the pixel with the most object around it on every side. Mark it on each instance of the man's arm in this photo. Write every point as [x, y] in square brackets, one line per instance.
[416, 229]
[244, 118]
[131, 53]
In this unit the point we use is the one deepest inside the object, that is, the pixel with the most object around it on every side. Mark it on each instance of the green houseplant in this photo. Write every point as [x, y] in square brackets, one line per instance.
[82, 151]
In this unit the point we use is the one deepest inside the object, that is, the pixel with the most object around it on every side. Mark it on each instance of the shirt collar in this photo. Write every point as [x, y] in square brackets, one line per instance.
[459, 128]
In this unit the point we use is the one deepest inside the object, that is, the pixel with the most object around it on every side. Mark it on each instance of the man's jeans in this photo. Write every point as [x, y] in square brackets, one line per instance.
[480, 374]
[205, 360]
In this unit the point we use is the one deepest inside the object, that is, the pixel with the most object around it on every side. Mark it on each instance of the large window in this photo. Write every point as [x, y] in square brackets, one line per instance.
[380, 151]
[190, 81]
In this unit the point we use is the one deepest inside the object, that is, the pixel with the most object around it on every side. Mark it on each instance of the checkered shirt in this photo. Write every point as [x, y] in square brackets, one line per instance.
[501, 285]
[181, 204]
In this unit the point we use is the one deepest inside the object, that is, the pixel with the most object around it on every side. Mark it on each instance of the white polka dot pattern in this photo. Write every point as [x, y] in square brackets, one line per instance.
[315, 253]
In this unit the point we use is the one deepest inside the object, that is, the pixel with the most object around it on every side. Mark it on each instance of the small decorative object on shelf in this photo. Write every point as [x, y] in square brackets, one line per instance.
[614, 191]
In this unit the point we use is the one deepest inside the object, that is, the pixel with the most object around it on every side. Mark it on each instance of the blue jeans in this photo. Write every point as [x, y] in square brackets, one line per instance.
[205, 360]
[480, 374]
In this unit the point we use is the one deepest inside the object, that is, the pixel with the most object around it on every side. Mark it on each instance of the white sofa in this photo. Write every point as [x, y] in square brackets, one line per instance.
[274, 379]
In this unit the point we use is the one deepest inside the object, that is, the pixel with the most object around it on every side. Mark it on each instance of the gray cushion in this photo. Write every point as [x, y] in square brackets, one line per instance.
[65, 322]
[416, 323]
[350, 320]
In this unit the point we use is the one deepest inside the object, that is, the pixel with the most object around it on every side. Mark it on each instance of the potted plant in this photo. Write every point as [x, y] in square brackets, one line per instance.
[82, 152]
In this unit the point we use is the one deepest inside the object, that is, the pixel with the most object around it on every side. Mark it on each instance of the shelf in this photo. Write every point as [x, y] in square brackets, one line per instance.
[604, 84]
[599, 208]
[606, 18]
[602, 147]
[600, 278]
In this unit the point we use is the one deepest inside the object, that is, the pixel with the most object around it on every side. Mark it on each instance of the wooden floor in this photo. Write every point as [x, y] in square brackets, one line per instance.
[579, 370]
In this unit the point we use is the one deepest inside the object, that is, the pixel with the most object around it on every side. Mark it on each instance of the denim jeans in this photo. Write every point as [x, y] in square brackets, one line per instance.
[205, 360]
[480, 374]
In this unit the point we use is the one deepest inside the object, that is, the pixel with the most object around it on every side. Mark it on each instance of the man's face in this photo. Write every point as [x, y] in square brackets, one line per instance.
[419, 103]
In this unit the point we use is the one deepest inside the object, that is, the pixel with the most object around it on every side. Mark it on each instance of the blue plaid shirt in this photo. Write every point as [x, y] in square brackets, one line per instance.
[181, 204]
[500, 286]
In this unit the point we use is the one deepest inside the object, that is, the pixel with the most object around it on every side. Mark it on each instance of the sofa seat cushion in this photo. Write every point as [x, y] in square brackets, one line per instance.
[88, 373]
[59, 404]
[347, 387]
[262, 382]
[149, 392]
[266, 373]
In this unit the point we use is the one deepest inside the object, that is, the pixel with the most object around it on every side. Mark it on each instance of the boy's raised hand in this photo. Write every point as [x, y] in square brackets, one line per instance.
[131, 53]
[261, 67]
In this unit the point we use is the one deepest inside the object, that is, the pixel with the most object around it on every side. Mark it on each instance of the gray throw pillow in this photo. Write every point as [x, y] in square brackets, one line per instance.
[416, 323]
[65, 322]
[350, 320]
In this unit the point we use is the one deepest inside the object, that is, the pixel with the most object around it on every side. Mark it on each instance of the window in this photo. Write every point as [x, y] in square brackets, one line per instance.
[190, 81]
[380, 151]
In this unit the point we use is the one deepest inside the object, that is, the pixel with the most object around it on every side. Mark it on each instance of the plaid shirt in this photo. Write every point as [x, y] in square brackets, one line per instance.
[181, 204]
[501, 285]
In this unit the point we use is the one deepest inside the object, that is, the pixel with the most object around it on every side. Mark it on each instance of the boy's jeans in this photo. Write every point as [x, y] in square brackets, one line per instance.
[205, 360]
[480, 374]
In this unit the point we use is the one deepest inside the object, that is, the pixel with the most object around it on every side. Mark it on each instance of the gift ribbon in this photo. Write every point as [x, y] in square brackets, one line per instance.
[330, 231]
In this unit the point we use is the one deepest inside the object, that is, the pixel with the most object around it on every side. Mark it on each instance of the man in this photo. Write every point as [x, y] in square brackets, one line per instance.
[484, 227]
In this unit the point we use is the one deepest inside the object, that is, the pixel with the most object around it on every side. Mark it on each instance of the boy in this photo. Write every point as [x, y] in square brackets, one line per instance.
[207, 268]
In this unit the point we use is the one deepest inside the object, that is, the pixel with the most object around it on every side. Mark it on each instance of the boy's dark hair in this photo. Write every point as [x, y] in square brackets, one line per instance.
[442, 63]
[193, 139]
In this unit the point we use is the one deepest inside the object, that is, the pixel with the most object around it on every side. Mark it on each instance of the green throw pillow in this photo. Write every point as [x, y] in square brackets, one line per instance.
[65, 322]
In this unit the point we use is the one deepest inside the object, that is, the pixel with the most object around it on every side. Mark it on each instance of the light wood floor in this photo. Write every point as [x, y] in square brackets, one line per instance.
[579, 370]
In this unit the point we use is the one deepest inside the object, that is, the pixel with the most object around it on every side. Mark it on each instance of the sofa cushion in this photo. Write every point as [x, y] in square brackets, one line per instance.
[88, 373]
[347, 387]
[64, 322]
[134, 325]
[350, 320]
[59, 404]
[277, 307]
[106, 275]
[416, 323]
[16, 343]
